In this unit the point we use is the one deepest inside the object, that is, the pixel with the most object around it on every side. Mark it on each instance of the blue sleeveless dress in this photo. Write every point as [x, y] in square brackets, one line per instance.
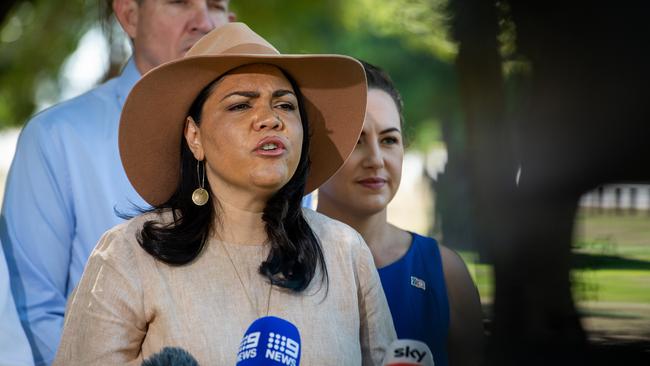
[417, 296]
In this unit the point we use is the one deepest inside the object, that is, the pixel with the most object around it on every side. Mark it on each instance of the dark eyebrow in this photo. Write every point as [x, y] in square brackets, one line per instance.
[281, 93]
[252, 94]
[248, 94]
[391, 130]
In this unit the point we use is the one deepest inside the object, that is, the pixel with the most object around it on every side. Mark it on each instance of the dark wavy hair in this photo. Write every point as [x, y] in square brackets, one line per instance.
[377, 78]
[295, 251]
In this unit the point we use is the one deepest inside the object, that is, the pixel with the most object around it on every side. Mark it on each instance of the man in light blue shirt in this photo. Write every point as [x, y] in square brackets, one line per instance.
[14, 348]
[66, 185]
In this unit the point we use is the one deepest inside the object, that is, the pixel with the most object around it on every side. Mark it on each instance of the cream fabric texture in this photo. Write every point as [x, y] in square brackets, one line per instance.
[129, 306]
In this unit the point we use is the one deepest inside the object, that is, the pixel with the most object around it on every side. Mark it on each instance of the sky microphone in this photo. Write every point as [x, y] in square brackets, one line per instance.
[270, 341]
[408, 352]
[171, 356]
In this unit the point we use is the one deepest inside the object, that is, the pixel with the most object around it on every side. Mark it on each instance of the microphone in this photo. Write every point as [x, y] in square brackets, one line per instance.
[270, 341]
[171, 356]
[408, 352]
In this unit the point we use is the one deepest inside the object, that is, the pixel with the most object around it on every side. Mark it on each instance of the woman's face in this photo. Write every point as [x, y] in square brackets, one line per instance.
[250, 132]
[369, 179]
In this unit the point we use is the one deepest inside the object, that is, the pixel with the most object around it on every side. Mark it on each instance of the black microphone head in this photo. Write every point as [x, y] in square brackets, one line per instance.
[171, 356]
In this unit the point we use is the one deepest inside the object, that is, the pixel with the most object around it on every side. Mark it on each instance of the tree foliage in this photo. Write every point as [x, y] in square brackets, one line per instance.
[35, 39]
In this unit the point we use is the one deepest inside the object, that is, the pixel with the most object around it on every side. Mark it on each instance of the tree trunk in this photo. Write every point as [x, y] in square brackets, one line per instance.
[527, 231]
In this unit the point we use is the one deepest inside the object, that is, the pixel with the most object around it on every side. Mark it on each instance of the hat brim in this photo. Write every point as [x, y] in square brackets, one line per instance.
[153, 118]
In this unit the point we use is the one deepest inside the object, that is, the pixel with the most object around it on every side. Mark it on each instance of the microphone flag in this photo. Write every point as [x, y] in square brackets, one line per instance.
[270, 341]
[408, 352]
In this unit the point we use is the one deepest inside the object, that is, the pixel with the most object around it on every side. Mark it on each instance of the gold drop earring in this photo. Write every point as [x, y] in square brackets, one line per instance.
[200, 195]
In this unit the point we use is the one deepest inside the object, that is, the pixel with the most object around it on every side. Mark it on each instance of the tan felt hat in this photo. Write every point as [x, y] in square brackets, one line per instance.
[153, 117]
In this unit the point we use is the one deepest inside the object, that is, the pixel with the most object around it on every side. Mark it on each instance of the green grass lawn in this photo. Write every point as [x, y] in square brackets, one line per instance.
[612, 286]
[618, 252]
[612, 255]
[611, 277]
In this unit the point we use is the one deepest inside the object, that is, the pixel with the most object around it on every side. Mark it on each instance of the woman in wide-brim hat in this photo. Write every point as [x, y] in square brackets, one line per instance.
[223, 144]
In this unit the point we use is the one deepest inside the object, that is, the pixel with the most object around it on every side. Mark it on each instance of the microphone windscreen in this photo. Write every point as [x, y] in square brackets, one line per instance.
[408, 352]
[171, 356]
[270, 341]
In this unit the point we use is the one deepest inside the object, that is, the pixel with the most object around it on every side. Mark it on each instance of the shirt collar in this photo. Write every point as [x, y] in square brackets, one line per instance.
[125, 82]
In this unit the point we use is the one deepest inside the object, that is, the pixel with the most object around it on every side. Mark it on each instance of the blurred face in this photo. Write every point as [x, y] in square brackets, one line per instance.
[164, 30]
[250, 133]
[369, 179]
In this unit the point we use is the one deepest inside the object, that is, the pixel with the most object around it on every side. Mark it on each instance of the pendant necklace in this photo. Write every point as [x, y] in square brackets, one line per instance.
[250, 300]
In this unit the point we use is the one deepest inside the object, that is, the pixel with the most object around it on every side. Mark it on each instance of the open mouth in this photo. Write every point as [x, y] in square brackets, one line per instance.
[270, 146]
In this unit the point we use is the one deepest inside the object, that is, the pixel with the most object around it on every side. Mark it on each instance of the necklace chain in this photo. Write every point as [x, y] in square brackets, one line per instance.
[250, 300]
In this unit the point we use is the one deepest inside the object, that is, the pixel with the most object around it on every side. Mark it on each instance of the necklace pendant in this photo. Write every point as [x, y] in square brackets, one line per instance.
[255, 308]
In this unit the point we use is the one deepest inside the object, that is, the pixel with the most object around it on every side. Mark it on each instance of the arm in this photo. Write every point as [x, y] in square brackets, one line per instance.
[377, 329]
[14, 348]
[36, 230]
[465, 315]
[105, 321]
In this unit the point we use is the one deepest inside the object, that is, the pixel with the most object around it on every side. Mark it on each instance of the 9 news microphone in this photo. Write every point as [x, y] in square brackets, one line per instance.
[171, 356]
[270, 341]
[408, 352]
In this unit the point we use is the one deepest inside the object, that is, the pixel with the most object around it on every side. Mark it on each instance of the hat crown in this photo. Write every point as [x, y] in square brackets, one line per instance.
[232, 38]
[333, 88]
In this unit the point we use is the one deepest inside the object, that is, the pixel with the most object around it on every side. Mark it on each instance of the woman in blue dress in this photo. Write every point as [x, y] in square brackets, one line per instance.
[430, 293]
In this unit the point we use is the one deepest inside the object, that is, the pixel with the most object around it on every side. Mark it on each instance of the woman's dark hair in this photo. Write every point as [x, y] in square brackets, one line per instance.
[379, 79]
[295, 251]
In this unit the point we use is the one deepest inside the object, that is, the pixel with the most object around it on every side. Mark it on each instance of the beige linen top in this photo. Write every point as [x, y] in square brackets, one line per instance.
[129, 305]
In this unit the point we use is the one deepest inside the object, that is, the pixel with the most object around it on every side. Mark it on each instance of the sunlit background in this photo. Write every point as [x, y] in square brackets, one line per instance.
[54, 50]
